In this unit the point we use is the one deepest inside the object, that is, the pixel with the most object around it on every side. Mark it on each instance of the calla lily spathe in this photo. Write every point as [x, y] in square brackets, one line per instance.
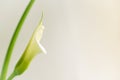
[33, 48]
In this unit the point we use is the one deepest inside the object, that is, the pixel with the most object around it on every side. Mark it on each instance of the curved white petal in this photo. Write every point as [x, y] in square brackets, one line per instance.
[33, 48]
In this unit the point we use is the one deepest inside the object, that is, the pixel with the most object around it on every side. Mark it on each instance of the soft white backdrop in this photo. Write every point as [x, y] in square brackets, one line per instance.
[82, 38]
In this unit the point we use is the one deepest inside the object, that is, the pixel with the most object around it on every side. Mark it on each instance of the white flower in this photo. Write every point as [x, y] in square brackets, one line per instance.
[33, 48]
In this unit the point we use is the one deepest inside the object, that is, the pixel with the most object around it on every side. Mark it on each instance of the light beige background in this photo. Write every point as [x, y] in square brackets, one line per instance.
[82, 38]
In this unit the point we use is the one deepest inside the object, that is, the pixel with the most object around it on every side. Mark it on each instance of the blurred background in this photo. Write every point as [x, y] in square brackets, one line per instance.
[82, 38]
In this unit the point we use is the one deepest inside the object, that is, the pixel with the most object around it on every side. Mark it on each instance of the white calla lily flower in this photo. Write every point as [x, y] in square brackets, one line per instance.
[33, 48]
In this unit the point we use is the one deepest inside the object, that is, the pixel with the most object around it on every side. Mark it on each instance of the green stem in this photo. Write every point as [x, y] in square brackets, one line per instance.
[11, 76]
[13, 41]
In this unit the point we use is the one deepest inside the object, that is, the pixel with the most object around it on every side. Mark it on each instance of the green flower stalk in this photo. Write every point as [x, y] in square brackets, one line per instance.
[33, 48]
[13, 41]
